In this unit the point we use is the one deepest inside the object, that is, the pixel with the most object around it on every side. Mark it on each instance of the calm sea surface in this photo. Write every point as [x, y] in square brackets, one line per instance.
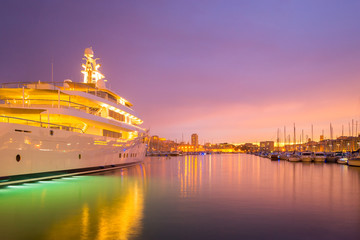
[230, 196]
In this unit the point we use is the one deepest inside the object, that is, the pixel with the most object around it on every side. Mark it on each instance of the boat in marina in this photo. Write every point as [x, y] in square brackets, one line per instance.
[274, 156]
[306, 156]
[319, 157]
[332, 157]
[354, 161]
[342, 160]
[176, 153]
[284, 156]
[294, 157]
[336, 156]
[264, 154]
[54, 129]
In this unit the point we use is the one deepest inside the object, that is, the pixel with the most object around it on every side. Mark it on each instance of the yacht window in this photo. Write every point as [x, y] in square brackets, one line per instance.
[108, 133]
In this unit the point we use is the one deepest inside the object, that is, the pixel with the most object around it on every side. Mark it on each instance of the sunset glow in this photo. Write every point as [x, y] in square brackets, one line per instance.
[232, 71]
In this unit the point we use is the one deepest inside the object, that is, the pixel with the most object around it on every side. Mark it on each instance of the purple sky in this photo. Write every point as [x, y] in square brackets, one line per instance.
[231, 71]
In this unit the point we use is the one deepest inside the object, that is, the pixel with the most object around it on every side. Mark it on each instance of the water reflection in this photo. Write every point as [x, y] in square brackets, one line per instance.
[235, 196]
[86, 207]
[230, 196]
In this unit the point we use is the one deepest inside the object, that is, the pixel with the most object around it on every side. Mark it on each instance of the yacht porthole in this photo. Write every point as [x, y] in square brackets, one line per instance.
[18, 158]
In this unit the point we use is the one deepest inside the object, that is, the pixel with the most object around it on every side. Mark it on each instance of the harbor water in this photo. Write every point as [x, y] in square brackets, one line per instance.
[222, 196]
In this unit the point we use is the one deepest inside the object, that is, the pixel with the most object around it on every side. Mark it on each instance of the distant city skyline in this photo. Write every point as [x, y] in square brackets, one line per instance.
[230, 71]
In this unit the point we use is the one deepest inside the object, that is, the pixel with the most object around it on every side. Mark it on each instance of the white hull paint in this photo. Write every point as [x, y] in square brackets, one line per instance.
[294, 159]
[342, 161]
[354, 162]
[40, 152]
[306, 158]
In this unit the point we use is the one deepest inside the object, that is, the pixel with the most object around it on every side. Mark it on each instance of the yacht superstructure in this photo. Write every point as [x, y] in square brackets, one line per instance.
[66, 127]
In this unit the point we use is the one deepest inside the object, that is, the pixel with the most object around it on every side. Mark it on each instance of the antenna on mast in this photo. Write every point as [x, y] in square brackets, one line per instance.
[52, 70]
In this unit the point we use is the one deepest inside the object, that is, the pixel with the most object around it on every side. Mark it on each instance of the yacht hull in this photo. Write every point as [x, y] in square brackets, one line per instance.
[29, 151]
[354, 162]
[342, 161]
[306, 158]
[294, 159]
[319, 159]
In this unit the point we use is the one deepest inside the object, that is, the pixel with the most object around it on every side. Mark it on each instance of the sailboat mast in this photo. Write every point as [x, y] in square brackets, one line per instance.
[356, 134]
[284, 137]
[294, 137]
[312, 132]
[277, 139]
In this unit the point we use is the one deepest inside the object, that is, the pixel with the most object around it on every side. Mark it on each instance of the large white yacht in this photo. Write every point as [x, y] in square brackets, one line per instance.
[50, 129]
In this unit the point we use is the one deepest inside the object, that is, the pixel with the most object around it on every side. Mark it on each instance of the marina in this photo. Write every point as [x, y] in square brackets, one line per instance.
[348, 158]
[219, 196]
[179, 120]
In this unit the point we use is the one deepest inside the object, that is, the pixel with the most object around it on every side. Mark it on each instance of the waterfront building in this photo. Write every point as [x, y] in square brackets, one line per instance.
[247, 147]
[186, 147]
[161, 144]
[267, 146]
[194, 140]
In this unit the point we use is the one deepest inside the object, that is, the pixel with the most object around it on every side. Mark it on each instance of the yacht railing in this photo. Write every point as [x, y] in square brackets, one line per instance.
[63, 85]
[56, 104]
[52, 104]
[35, 85]
[35, 123]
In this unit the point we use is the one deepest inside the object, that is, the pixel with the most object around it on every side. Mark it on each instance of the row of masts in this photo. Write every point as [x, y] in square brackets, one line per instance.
[353, 130]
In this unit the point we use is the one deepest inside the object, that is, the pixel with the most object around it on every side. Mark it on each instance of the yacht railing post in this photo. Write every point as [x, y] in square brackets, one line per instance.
[58, 98]
[48, 116]
[23, 96]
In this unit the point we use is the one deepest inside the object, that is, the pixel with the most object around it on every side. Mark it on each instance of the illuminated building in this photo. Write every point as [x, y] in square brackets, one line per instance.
[161, 144]
[267, 146]
[195, 140]
[248, 147]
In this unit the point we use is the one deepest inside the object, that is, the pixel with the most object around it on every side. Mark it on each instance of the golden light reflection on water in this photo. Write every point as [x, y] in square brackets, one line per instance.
[122, 219]
[88, 207]
[119, 217]
[277, 181]
[189, 175]
[85, 222]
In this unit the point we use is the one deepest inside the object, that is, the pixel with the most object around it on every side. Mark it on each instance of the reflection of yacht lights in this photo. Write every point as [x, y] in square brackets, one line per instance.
[16, 186]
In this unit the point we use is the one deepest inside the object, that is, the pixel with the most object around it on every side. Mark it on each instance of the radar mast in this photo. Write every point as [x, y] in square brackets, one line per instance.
[91, 72]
